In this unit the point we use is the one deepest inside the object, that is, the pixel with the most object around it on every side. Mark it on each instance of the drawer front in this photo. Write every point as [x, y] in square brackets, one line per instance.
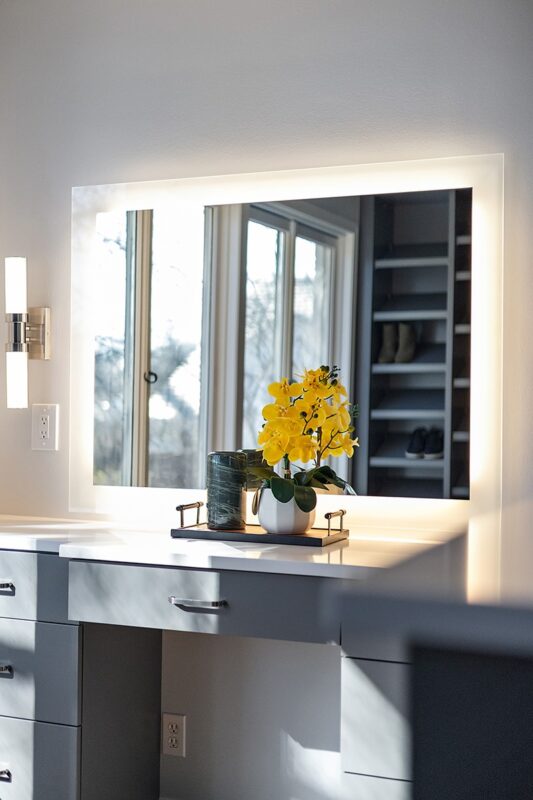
[375, 730]
[33, 586]
[42, 761]
[266, 606]
[39, 676]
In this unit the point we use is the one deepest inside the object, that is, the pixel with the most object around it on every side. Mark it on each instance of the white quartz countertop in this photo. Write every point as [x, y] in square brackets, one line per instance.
[363, 555]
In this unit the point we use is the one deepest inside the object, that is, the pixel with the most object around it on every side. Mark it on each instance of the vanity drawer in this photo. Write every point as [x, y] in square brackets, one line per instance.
[42, 760]
[375, 729]
[254, 604]
[33, 586]
[39, 676]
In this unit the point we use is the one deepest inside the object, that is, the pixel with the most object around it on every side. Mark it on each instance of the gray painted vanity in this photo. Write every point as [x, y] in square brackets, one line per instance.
[81, 621]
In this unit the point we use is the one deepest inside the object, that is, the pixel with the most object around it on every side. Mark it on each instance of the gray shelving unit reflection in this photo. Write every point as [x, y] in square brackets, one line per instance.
[415, 269]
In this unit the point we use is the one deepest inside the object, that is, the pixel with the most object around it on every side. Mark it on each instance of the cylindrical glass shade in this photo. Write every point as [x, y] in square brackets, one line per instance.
[16, 295]
[17, 380]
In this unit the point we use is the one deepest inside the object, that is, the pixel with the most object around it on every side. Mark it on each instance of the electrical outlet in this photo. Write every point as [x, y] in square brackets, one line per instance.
[45, 426]
[173, 735]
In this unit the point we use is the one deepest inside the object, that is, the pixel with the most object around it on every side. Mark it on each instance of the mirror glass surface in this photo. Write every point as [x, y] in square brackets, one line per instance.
[379, 285]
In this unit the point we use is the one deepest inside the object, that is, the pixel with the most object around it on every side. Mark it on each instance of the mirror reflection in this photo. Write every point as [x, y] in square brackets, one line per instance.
[378, 285]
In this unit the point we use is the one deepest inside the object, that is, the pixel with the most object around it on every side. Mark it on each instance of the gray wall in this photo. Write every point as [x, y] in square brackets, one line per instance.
[98, 91]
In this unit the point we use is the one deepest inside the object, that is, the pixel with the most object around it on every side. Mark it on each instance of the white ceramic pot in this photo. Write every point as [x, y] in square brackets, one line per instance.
[276, 517]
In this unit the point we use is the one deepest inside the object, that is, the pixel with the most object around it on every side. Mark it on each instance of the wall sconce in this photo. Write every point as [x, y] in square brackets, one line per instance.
[28, 333]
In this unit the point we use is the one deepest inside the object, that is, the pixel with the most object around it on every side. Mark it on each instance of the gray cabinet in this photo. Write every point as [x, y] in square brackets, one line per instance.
[61, 685]
[39, 680]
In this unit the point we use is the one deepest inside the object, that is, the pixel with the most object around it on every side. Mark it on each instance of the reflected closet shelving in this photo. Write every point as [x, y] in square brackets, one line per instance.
[414, 270]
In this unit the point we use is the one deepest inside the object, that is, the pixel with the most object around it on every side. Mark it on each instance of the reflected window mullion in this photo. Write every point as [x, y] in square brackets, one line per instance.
[129, 350]
[142, 355]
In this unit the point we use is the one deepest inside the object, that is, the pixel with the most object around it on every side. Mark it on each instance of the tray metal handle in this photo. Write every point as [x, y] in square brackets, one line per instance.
[5, 774]
[6, 585]
[185, 507]
[186, 604]
[6, 669]
[331, 514]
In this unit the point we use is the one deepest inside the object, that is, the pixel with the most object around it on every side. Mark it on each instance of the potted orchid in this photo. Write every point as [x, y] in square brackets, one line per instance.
[307, 421]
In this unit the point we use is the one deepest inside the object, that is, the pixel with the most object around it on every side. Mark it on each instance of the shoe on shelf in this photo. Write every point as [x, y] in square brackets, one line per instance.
[389, 341]
[417, 444]
[434, 444]
[406, 343]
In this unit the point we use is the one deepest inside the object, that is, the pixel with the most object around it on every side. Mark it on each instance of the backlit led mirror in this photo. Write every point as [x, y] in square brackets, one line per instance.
[225, 299]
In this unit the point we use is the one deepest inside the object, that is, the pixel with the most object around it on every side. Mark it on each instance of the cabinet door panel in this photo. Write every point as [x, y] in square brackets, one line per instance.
[42, 760]
[375, 732]
[39, 676]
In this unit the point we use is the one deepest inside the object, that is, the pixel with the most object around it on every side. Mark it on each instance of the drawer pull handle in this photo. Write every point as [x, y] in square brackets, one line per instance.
[197, 605]
[5, 775]
[7, 585]
[6, 669]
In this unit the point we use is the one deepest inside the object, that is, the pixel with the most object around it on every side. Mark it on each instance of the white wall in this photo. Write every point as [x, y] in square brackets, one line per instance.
[99, 91]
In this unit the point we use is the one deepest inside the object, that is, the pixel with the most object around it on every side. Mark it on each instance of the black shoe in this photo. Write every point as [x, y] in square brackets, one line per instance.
[434, 444]
[417, 444]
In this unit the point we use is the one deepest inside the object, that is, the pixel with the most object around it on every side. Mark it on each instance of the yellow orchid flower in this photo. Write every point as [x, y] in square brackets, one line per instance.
[275, 429]
[340, 445]
[341, 416]
[349, 445]
[273, 411]
[334, 448]
[315, 383]
[273, 451]
[302, 448]
[338, 390]
[283, 391]
[307, 420]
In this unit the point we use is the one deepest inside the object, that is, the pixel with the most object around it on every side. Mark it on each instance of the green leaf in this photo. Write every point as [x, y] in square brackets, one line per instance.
[305, 498]
[317, 484]
[282, 489]
[327, 475]
[309, 475]
[265, 473]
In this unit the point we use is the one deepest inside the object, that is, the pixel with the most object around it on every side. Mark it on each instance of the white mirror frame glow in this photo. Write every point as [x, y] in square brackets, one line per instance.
[480, 515]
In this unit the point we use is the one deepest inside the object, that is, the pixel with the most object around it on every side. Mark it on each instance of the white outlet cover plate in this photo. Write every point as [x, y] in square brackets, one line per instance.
[45, 426]
[174, 735]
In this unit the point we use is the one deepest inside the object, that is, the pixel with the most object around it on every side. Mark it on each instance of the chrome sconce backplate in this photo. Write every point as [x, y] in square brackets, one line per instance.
[29, 333]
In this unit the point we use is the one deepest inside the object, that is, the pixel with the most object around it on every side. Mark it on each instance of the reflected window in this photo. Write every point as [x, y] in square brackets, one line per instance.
[264, 291]
[148, 348]
[176, 350]
[113, 268]
[313, 270]
[289, 298]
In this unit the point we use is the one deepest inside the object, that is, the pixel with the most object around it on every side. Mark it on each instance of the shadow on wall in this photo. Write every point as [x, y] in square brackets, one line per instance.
[262, 719]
